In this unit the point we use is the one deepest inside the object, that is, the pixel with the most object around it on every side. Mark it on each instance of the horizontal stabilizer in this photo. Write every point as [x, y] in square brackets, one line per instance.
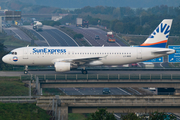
[168, 51]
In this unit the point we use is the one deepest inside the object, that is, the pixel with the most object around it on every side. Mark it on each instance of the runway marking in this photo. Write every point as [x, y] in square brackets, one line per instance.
[161, 65]
[43, 38]
[39, 34]
[17, 34]
[54, 38]
[82, 32]
[63, 90]
[68, 36]
[139, 65]
[124, 91]
[78, 91]
[88, 41]
[117, 116]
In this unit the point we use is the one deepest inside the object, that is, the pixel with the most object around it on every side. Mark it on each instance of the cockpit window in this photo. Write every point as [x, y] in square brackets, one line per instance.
[10, 53]
[13, 53]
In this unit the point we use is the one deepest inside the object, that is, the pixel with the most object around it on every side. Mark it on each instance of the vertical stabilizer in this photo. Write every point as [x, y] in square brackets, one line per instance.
[160, 35]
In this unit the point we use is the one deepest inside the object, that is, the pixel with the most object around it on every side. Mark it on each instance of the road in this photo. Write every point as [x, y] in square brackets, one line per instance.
[93, 91]
[19, 34]
[52, 36]
[91, 32]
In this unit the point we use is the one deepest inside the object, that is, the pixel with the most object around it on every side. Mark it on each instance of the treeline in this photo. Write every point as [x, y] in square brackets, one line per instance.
[121, 12]
[3, 66]
[127, 20]
[51, 23]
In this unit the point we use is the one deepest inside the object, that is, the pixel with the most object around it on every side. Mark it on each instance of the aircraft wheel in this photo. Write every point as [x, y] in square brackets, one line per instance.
[84, 71]
[25, 72]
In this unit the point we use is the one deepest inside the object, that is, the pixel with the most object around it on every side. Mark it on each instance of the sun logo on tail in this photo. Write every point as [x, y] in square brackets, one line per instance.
[165, 29]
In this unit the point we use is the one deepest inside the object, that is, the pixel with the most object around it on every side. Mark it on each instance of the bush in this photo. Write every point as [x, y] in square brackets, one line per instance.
[51, 23]
[79, 36]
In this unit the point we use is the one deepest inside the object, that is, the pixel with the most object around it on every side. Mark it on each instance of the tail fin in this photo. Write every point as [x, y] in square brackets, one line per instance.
[160, 35]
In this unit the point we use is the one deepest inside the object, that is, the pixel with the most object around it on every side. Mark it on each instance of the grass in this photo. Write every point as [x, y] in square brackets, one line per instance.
[13, 88]
[9, 78]
[52, 91]
[16, 111]
[76, 116]
[11, 41]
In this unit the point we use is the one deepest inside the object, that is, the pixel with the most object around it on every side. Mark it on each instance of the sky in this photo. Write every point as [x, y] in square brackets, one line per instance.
[113, 3]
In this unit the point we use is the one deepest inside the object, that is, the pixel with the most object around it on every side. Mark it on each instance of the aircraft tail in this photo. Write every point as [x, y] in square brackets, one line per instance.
[160, 35]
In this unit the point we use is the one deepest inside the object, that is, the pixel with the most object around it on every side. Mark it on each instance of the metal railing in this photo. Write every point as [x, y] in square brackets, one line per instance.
[116, 99]
[102, 77]
[17, 99]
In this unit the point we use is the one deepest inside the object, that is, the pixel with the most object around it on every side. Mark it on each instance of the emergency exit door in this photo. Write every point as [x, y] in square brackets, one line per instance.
[25, 53]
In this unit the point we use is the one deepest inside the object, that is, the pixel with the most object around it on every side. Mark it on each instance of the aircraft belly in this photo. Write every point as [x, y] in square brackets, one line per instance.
[116, 60]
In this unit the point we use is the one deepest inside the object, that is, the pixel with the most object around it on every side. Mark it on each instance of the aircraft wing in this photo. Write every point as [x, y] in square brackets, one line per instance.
[80, 61]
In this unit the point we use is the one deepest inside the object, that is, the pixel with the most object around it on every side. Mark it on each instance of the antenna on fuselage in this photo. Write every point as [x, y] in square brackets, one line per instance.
[27, 45]
[102, 45]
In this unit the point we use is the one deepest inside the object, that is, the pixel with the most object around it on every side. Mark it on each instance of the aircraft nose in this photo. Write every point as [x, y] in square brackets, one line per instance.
[4, 59]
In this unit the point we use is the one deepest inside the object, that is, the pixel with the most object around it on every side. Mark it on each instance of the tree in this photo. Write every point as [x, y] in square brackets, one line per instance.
[161, 116]
[152, 116]
[101, 114]
[130, 116]
[79, 36]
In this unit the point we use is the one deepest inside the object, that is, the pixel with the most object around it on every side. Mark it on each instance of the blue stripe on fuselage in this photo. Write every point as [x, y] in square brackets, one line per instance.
[161, 45]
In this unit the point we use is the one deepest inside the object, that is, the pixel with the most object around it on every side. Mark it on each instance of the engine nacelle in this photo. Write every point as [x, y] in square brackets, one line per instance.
[62, 66]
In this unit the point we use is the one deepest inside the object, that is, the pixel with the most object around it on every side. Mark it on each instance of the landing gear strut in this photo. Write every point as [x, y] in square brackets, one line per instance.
[84, 71]
[26, 70]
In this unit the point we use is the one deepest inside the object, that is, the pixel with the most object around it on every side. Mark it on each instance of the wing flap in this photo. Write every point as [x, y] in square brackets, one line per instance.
[79, 61]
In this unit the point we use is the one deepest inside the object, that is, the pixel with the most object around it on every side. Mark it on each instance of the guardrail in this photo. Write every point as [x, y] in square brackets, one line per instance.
[114, 99]
[17, 99]
[102, 77]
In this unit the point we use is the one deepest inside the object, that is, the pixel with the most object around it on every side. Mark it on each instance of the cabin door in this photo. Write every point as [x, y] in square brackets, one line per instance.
[139, 54]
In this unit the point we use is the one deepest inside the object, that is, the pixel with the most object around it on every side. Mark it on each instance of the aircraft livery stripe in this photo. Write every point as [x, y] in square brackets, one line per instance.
[147, 44]
[161, 45]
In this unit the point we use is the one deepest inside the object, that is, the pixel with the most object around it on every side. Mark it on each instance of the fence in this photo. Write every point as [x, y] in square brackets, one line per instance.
[102, 77]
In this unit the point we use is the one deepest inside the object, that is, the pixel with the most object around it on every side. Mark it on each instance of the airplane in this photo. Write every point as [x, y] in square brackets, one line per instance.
[66, 58]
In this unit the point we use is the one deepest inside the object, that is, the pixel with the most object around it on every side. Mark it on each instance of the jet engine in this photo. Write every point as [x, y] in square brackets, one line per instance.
[62, 66]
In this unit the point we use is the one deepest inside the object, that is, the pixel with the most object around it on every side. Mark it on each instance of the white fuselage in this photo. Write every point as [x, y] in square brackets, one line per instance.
[109, 55]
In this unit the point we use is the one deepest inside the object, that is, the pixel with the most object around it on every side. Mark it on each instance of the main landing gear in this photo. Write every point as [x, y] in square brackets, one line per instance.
[26, 70]
[84, 71]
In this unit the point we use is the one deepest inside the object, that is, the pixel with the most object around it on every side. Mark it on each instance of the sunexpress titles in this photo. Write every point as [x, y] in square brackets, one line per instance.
[46, 50]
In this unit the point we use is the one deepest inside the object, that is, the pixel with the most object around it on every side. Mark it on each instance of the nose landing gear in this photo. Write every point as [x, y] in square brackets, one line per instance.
[84, 71]
[26, 70]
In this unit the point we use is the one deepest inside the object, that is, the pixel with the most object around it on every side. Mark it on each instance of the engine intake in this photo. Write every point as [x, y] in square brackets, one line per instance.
[62, 66]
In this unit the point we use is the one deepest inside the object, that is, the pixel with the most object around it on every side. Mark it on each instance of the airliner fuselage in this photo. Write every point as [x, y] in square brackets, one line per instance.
[106, 55]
